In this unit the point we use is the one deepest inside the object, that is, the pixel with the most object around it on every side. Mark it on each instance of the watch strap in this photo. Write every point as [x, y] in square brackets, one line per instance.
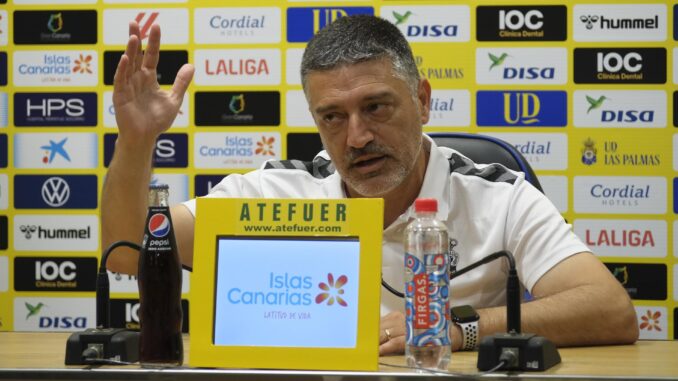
[469, 335]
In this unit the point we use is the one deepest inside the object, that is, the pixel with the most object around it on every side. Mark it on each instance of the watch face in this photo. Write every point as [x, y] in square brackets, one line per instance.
[463, 314]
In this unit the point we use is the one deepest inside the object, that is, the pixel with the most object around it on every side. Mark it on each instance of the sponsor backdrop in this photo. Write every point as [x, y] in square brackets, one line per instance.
[584, 89]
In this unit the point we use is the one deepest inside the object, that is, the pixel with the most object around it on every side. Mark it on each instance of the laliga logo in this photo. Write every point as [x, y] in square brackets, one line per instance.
[332, 290]
[158, 225]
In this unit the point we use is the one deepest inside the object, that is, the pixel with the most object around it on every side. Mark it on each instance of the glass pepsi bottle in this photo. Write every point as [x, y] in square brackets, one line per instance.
[159, 280]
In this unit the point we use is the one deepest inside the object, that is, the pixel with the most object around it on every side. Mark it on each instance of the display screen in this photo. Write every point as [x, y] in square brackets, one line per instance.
[286, 292]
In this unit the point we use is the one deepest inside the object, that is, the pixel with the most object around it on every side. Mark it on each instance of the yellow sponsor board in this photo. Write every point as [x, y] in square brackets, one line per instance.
[321, 303]
[445, 69]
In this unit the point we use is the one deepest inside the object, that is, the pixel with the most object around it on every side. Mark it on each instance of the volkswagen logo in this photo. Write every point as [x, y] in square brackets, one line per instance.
[55, 192]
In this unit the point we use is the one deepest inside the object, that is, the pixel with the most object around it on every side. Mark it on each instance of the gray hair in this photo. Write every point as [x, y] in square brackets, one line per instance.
[353, 39]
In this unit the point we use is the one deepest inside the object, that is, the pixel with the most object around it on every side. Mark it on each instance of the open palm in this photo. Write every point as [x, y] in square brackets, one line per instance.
[142, 109]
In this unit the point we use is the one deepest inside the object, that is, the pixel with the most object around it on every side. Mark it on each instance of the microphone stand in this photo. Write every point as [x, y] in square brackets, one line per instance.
[517, 351]
[103, 345]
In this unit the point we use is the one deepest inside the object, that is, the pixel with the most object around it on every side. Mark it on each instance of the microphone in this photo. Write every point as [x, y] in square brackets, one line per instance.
[103, 344]
[512, 350]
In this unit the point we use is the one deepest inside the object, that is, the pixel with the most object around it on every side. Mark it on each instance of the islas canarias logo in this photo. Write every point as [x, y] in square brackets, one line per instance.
[265, 146]
[332, 291]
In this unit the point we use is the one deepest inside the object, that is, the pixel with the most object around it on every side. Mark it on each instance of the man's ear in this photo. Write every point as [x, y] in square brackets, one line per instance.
[424, 98]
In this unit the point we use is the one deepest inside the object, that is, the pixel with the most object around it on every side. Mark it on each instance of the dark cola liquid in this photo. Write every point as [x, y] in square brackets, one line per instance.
[159, 279]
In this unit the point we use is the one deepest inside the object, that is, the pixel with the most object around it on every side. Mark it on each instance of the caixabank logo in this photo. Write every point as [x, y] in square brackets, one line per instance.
[440, 23]
[55, 68]
[43, 233]
[55, 109]
[304, 22]
[260, 25]
[521, 108]
[55, 27]
[526, 66]
[243, 108]
[125, 314]
[624, 238]
[169, 63]
[620, 108]
[228, 67]
[55, 274]
[521, 23]
[54, 314]
[620, 65]
[620, 22]
[171, 150]
[642, 281]
[55, 150]
[55, 192]
[235, 150]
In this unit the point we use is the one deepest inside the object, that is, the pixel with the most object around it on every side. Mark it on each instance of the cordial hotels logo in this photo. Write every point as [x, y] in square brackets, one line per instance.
[55, 68]
[56, 233]
[620, 194]
[627, 238]
[450, 108]
[46, 150]
[521, 108]
[303, 23]
[55, 191]
[451, 23]
[235, 150]
[237, 25]
[109, 111]
[233, 67]
[55, 274]
[332, 291]
[620, 22]
[544, 151]
[619, 108]
[54, 314]
[620, 65]
[173, 22]
[521, 23]
[652, 322]
[617, 153]
[521, 66]
[55, 109]
[55, 27]
[251, 108]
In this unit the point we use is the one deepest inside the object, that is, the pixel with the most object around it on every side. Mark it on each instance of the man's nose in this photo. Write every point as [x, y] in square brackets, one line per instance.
[359, 132]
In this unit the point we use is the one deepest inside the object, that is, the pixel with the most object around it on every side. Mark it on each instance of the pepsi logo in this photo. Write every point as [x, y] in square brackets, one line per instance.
[158, 225]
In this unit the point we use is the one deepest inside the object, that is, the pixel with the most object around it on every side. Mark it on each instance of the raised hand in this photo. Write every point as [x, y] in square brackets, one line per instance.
[142, 110]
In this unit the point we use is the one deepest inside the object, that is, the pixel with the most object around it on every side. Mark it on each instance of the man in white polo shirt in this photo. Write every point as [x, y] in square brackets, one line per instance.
[369, 103]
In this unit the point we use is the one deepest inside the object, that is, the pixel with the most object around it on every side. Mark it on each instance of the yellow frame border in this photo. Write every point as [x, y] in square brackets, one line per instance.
[221, 216]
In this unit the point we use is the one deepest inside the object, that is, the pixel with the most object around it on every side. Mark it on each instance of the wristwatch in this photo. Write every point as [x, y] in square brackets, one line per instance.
[467, 319]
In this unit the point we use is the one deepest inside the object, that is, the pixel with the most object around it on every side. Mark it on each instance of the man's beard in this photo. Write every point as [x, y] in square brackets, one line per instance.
[392, 173]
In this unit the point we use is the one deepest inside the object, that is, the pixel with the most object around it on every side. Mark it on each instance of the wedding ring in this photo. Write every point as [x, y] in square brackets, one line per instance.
[388, 334]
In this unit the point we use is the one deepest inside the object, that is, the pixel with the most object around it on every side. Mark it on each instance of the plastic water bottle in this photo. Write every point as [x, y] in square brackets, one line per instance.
[159, 279]
[427, 306]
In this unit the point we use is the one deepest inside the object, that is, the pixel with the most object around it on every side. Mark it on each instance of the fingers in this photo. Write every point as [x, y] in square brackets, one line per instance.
[395, 346]
[135, 31]
[131, 52]
[392, 335]
[150, 58]
[120, 77]
[181, 82]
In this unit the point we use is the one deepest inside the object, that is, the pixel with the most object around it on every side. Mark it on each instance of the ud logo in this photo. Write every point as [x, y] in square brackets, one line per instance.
[523, 108]
[588, 153]
[55, 192]
[325, 16]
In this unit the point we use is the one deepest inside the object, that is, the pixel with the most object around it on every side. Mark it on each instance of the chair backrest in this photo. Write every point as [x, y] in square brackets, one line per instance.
[484, 149]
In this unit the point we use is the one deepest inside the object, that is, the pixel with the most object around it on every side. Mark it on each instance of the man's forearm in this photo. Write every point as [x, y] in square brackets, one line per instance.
[124, 201]
[585, 315]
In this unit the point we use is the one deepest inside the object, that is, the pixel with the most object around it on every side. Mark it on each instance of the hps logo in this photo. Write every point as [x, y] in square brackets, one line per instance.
[332, 291]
